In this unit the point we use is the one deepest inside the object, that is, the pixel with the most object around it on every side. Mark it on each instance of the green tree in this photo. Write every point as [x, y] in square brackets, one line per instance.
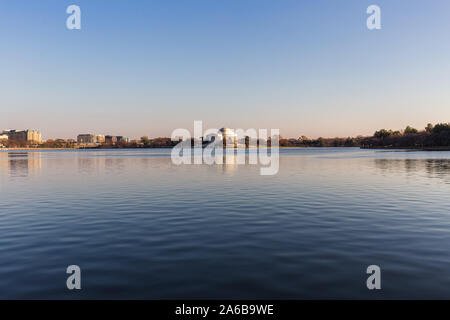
[383, 133]
[410, 130]
[145, 140]
[441, 127]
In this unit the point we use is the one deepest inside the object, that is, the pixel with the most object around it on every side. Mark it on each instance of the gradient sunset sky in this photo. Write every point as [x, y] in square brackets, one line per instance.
[147, 67]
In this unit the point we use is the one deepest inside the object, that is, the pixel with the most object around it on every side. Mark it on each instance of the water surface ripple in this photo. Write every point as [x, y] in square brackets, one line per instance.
[141, 227]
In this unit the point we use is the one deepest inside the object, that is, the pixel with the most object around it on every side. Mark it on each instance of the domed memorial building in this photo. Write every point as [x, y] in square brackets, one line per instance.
[227, 135]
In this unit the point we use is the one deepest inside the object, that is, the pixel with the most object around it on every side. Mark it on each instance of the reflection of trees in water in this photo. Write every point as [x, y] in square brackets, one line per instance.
[438, 167]
[433, 168]
[412, 165]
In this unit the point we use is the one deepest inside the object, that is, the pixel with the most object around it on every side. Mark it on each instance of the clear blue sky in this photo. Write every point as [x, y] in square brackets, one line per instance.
[147, 67]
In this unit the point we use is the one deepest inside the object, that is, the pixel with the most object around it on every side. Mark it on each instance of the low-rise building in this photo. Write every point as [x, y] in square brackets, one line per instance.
[99, 138]
[86, 138]
[110, 139]
[121, 139]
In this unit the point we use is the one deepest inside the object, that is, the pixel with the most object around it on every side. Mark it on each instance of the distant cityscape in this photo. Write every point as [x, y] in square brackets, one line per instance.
[432, 137]
[31, 137]
[98, 139]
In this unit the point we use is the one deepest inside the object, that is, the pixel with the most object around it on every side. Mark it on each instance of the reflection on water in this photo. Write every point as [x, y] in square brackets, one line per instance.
[91, 163]
[434, 168]
[142, 227]
[20, 164]
[439, 168]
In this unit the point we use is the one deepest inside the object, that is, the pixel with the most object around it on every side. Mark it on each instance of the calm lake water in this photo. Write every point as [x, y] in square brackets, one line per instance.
[142, 227]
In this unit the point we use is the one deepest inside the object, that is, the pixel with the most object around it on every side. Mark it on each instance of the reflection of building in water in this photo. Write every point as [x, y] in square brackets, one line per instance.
[22, 163]
[87, 165]
[90, 165]
[229, 158]
[230, 164]
[4, 163]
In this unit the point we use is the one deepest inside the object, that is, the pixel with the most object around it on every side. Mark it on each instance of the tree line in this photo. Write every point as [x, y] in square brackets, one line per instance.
[432, 136]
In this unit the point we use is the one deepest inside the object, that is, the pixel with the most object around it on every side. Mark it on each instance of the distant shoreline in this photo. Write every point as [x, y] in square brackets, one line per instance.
[140, 148]
[26, 149]
[408, 148]
[281, 147]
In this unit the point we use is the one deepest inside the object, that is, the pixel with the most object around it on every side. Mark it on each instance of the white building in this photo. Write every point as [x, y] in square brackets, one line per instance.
[88, 138]
[227, 135]
[99, 138]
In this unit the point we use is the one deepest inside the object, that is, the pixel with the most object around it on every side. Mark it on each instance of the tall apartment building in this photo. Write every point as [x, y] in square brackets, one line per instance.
[32, 136]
